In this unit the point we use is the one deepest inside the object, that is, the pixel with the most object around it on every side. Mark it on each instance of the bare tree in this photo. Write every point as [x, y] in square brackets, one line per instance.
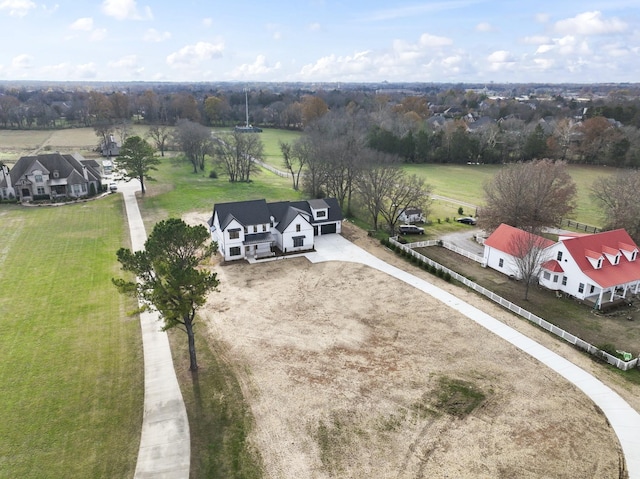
[160, 134]
[295, 158]
[528, 195]
[406, 191]
[236, 153]
[529, 253]
[619, 197]
[377, 182]
[195, 141]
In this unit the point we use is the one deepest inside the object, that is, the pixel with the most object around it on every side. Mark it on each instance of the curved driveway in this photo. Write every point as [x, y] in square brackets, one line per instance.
[624, 420]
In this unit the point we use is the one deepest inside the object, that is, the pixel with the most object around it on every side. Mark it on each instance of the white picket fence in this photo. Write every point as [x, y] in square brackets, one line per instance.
[576, 341]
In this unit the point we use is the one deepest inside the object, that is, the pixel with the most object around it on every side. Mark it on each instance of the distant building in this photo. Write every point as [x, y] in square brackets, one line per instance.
[110, 147]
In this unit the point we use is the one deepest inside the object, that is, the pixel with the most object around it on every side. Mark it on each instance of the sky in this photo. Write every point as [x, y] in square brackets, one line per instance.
[442, 41]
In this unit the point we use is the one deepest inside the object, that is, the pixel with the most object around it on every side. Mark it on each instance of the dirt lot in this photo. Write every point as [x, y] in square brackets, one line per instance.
[350, 373]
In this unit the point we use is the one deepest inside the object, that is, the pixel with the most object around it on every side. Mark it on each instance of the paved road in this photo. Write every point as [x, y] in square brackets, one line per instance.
[165, 446]
[624, 420]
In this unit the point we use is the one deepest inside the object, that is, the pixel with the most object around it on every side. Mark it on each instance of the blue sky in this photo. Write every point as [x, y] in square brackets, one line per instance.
[321, 40]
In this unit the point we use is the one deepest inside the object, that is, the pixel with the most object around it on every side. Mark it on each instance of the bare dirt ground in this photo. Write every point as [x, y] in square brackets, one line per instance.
[350, 373]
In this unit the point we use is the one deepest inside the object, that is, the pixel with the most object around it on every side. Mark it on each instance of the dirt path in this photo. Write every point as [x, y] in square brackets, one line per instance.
[349, 373]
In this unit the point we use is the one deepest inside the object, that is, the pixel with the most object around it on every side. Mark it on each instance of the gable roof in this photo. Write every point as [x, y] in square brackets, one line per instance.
[66, 165]
[553, 266]
[594, 246]
[505, 238]
[252, 212]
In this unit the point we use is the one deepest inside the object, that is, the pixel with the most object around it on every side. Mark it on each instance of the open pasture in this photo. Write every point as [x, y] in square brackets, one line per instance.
[71, 376]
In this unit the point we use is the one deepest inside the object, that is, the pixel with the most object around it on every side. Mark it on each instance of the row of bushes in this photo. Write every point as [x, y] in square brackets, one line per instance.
[439, 272]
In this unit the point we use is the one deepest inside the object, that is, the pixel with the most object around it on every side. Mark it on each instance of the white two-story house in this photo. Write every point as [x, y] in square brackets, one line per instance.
[257, 229]
[596, 268]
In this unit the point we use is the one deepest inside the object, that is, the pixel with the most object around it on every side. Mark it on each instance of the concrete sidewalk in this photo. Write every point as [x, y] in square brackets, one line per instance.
[165, 446]
[624, 420]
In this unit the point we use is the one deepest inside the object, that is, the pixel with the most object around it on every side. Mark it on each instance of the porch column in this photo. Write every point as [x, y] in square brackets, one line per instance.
[613, 292]
[600, 297]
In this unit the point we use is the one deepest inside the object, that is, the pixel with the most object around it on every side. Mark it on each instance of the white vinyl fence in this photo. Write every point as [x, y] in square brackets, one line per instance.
[613, 360]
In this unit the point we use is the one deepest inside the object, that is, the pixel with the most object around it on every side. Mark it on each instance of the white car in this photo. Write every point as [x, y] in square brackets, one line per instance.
[113, 187]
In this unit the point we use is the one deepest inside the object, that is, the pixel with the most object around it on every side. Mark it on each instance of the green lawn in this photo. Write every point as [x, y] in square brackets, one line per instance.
[465, 183]
[178, 190]
[72, 372]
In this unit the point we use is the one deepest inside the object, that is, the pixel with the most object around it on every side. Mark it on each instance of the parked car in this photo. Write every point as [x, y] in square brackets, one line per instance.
[410, 230]
[113, 187]
[467, 220]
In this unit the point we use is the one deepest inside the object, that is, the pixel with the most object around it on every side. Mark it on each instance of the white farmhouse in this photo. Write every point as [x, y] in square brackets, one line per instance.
[257, 229]
[601, 269]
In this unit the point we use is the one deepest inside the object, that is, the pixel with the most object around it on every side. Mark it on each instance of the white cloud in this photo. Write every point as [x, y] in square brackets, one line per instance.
[128, 61]
[259, 67]
[500, 60]
[84, 24]
[315, 27]
[589, 23]
[17, 8]
[544, 49]
[87, 70]
[536, 40]
[98, 35]
[542, 17]
[125, 10]
[22, 62]
[194, 54]
[484, 27]
[331, 67]
[153, 35]
[433, 41]
[207, 22]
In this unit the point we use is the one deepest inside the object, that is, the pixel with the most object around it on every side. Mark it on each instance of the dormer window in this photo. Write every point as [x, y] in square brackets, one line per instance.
[634, 255]
[56, 174]
[599, 264]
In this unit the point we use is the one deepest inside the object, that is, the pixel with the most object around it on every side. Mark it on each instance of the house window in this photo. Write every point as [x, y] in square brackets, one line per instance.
[40, 190]
[555, 278]
[559, 257]
[564, 281]
[546, 275]
[264, 228]
[617, 260]
[592, 289]
[298, 241]
[501, 263]
[321, 214]
[235, 251]
[581, 288]
[599, 265]
[255, 228]
[234, 234]
[38, 178]
[297, 228]
[633, 255]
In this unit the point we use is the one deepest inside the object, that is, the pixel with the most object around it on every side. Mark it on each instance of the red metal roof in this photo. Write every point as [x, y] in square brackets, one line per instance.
[553, 266]
[593, 245]
[505, 238]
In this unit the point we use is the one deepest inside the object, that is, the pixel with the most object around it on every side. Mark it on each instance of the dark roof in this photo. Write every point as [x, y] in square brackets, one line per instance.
[283, 212]
[64, 164]
[252, 212]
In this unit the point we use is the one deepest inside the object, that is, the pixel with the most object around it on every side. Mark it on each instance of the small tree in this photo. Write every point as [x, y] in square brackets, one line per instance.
[170, 277]
[617, 195]
[136, 158]
[160, 134]
[529, 252]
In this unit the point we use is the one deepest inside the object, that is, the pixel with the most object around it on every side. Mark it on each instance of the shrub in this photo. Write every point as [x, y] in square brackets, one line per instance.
[447, 277]
[213, 174]
[460, 211]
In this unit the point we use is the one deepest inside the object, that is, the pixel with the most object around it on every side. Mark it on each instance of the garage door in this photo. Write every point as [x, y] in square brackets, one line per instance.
[326, 229]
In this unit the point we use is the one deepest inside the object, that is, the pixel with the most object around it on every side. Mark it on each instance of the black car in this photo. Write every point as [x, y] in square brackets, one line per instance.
[467, 220]
[410, 230]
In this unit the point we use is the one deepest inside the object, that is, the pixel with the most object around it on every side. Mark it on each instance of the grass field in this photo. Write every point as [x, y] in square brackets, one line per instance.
[71, 376]
[71, 371]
